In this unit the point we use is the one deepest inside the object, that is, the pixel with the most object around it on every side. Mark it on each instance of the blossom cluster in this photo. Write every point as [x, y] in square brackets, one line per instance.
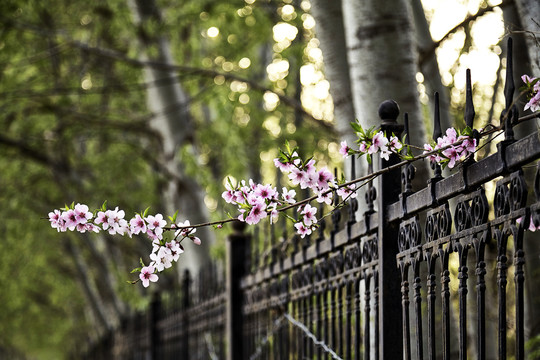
[257, 201]
[452, 147]
[447, 150]
[78, 217]
[532, 89]
[371, 142]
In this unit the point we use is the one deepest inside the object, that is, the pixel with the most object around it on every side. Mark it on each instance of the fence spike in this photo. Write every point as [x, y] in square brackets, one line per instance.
[353, 203]
[469, 106]
[437, 133]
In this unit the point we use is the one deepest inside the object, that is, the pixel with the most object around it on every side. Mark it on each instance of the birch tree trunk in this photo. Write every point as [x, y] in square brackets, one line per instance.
[330, 32]
[383, 63]
[172, 120]
[529, 13]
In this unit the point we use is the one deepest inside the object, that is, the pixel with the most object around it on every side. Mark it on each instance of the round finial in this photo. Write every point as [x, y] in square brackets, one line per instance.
[389, 110]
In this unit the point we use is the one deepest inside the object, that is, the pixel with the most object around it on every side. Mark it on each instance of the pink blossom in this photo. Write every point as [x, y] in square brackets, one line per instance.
[298, 176]
[152, 234]
[102, 218]
[468, 145]
[284, 167]
[302, 229]
[256, 214]
[453, 155]
[527, 79]
[274, 214]
[265, 191]
[82, 213]
[344, 149]
[324, 176]
[174, 248]
[70, 219]
[156, 224]
[147, 275]
[309, 215]
[324, 197]
[117, 223]
[347, 191]
[92, 228]
[394, 144]
[451, 136]
[137, 224]
[385, 153]
[433, 157]
[186, 230]
[534, 103]
[196, 240]
[162, 259]
[57, 221]
[378, 142]
[363, 147]
[288, 195]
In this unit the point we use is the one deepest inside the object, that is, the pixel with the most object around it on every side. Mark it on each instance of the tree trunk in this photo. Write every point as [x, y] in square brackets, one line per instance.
[383, 63]
[529, 13]
[170, 105]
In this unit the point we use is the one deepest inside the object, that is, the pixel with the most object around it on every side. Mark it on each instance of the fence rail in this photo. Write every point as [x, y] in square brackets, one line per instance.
[418, 274]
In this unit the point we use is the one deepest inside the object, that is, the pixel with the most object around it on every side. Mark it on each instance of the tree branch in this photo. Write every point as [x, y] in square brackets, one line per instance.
[25, 150]
[424, 55]
[187, 70]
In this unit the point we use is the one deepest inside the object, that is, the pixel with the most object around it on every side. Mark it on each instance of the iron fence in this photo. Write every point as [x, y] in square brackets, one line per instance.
[418, 274]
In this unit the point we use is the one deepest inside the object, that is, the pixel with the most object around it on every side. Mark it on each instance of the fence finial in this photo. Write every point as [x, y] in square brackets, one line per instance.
[437, 133]
[388, 111]
[469, 106]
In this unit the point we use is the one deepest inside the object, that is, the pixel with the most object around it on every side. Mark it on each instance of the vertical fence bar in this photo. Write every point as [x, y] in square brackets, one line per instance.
[236, 254]
[390, 338]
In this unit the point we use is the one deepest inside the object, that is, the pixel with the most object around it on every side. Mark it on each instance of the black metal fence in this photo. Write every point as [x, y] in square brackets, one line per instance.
[424, 274]
[188, 323]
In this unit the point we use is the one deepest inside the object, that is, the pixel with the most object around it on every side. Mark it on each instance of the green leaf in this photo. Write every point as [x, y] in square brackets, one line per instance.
[356, 127]
[135, 270]
[467, 131]
[104, 206]
[142, 263]
[145, 212]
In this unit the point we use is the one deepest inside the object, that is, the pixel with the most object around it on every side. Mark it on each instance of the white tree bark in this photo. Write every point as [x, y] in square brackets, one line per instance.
[330, 32]
[383, 63]
[529, 12]
[170, 105]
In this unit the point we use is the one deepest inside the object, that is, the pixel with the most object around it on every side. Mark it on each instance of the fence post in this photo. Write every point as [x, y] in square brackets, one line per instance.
[186, 297]
[390, 316]
[236, 269]
[155, 309]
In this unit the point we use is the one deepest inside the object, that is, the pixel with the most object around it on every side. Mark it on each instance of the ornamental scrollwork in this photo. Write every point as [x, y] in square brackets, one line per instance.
[409, 234]
[438, 223]
[510, 194]
[370, 249]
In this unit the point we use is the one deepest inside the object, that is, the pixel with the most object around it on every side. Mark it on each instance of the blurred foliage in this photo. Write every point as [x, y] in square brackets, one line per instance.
[75, 128]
